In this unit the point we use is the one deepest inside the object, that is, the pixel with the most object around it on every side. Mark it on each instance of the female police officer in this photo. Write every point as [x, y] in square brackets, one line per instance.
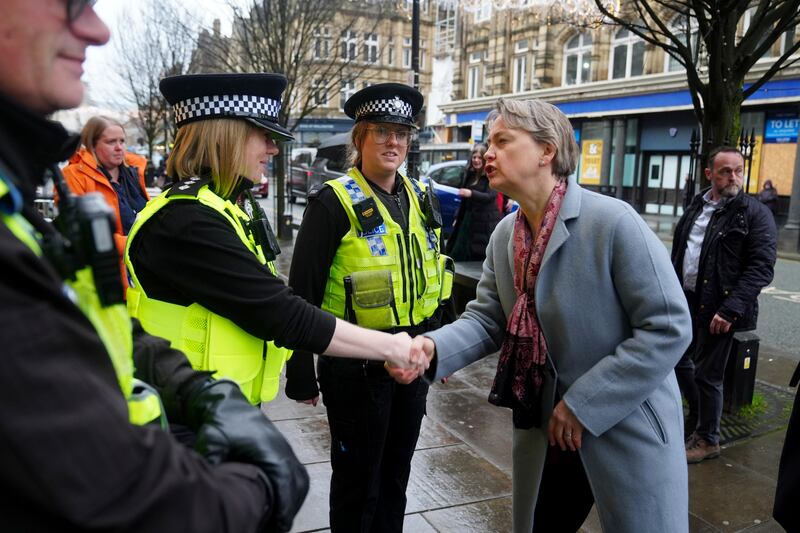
[200, 266]
[368, 251]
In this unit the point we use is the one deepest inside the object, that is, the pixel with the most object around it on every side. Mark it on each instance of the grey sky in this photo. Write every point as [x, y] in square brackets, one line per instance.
[99, 60]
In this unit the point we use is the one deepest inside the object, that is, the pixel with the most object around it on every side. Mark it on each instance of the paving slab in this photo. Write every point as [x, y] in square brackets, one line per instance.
[471, 418]
[728, 496]
[453, 475]
[492, 516]
[759, 455]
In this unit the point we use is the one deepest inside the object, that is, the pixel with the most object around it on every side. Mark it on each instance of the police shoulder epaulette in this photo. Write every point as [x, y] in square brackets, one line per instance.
[313, 193]
[189, 186]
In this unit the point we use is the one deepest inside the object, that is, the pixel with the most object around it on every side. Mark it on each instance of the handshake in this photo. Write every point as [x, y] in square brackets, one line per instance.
[410, 357]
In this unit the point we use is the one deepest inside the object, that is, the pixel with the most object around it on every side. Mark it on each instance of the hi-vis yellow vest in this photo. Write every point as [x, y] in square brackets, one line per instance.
[210, 341]
[385, 278]
[111, 323]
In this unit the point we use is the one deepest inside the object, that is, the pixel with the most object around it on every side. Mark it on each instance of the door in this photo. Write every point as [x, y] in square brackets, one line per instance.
[662, 183]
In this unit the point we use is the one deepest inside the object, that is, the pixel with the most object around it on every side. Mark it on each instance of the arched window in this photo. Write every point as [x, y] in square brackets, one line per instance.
[678, 28]
[627, 55]
[578, 60]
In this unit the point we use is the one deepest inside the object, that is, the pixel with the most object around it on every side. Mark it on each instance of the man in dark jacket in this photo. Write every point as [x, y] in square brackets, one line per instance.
[70, 457]
[724, 252]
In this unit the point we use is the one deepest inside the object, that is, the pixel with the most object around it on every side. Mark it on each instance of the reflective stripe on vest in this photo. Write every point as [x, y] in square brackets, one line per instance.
[210, 341]
[112, 324]
[412, 260]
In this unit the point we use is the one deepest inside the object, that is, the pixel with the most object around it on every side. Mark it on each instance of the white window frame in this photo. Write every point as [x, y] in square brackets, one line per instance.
[348, 89]
[583, 51]
[474, 80]
[371, 48]
[406, 52]
[319, 92]
[788, 39]
[484, 12]
[629, 41]
[322, 43]
[390, 51]
[519, 73]
[676, 27]
[349, 46]
[748, 15]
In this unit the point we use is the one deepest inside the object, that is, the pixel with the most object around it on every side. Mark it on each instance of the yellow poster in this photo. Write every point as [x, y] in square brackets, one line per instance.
[755, 170]
[591, 161]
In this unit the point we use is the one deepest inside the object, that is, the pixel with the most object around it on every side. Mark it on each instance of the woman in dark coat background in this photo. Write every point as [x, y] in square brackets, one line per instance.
[769, 197]
[478, 214]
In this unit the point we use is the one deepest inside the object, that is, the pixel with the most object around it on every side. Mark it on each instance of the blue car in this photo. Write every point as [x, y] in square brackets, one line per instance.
[447, 178]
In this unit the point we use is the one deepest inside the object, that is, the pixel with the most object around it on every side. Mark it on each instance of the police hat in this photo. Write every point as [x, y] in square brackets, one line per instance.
[385, 102]
[255, 98]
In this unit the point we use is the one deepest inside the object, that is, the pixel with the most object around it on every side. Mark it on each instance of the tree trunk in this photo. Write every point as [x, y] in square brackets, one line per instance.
[722, 122]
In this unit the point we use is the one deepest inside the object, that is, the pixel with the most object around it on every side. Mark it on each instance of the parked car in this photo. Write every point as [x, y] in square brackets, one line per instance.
[447, 178]
[330, 163]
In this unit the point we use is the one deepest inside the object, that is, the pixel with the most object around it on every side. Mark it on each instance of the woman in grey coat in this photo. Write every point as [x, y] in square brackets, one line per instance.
[580, 297]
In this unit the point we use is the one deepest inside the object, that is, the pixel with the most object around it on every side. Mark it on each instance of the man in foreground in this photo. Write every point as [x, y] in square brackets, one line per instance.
[78, 448]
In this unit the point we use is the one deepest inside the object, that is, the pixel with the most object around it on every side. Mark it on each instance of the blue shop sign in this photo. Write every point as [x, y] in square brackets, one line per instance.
[781, 128]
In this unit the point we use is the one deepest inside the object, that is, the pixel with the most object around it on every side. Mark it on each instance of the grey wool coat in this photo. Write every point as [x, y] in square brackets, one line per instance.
[616, 322]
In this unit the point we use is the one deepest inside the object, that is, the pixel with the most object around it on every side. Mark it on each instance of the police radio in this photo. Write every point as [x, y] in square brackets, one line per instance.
[262, 231]
[85, 238]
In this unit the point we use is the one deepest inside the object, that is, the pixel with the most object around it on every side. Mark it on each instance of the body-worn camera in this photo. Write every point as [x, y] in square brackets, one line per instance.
[85, 238]
[261, 229]
[431, 207]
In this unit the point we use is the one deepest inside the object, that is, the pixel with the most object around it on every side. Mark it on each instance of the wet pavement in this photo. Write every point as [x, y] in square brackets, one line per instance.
[461, 471]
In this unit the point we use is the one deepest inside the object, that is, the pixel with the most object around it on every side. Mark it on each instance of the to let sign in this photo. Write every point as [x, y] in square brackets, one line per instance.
[781, 128]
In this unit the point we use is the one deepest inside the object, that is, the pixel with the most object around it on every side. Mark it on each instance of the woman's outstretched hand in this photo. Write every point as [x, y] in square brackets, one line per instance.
[422, 350]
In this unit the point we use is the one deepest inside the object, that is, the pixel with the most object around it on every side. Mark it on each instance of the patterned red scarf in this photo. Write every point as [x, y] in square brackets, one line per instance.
[521, 366]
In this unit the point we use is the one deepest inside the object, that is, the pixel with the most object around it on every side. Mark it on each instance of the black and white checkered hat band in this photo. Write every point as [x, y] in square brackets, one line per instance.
[395, 106]
[226, 105]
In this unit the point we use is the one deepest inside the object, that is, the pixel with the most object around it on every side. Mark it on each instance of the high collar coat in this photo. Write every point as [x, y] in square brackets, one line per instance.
[616, 323]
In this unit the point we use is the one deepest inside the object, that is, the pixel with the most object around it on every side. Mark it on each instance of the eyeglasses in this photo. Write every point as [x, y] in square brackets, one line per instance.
[381, 135]
[75, 8]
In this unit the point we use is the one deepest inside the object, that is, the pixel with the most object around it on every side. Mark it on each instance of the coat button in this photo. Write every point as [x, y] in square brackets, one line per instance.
[702, 306]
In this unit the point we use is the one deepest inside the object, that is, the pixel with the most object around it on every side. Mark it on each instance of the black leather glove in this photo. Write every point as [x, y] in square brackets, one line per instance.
[229, 428]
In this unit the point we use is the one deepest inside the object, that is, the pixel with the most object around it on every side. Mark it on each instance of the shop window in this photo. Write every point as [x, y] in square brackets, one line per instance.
[627, 56]
[578, 60]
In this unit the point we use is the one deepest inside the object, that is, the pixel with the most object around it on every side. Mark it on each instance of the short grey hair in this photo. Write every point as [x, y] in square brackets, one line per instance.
[546, 124]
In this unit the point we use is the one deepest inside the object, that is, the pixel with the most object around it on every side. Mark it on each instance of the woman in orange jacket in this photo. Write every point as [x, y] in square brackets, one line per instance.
[102, 165]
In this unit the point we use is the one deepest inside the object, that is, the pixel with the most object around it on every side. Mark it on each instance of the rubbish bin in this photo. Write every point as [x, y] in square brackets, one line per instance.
[740, 372]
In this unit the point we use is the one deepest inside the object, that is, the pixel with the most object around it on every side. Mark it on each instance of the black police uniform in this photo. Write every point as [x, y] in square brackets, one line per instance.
[374, 421]
[70, 458]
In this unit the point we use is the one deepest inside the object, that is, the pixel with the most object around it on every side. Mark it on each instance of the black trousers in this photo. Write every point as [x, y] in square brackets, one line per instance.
[374, 425]
[700, 373]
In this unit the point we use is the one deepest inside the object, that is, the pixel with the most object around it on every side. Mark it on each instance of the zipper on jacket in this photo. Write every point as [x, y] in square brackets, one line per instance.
[402, 266]
[411, 292]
